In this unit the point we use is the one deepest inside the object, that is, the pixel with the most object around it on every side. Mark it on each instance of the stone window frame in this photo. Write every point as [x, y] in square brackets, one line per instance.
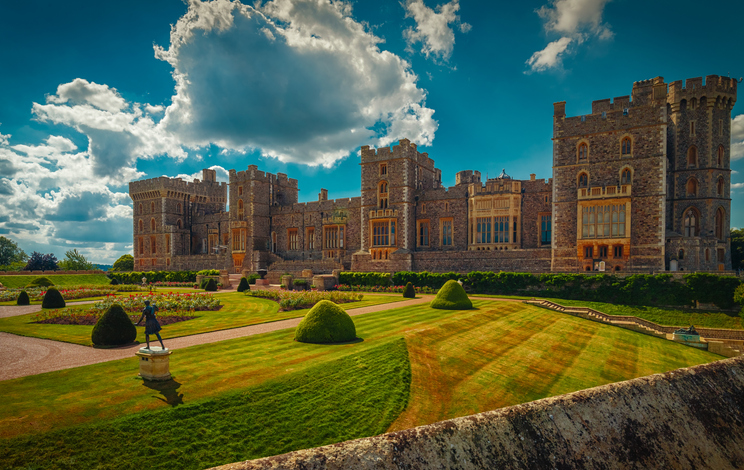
[153, 245]
[167, 243]
[721, 255]
[383, 169]
[141, 246]
[310, 238]
[629, 169]
[240, 190]
[424, 235]
[423, 208]
[719, 223]
[179, 208]
[589, 252]
[241, 209]
[582, 143]
[179, 224]
[720, 154]
[692, 127]
[694, 212]
[692, 156]
[446, 207]
[152, 224]
[541, 230]
[720, 186]
[578, 179]
[617, 251]
[152, 207]
[626, 138]
[604, 251]
[692, 186]
[141, 226]
[383, 189]
[141, 210]
[390, 234]
[273, 242]
[442, 221]
[707, 254]
[293, 239]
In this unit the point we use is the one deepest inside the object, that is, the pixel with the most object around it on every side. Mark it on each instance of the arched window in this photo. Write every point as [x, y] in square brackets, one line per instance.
[625, 177]
[583, 151]
[721, 150]
[178, 224]
[681, 254]
[152, 225]
[141, 225]
[140, 208]
[240, 209]
[179, 208]
[693, 103]
[583, 180]
[692, 155]
[383, 195]
[719, 223]
[152, 207]
[719, 186]
[691, 223]
[692, 187]
[627, 146]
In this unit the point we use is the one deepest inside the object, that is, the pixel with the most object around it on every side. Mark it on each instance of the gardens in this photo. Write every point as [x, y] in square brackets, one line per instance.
[268, 393]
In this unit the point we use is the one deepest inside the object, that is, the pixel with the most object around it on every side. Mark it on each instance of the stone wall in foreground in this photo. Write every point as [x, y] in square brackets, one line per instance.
[688, 418]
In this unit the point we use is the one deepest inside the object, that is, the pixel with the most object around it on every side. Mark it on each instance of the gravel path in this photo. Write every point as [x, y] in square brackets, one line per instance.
[15, 310]
[24, 356]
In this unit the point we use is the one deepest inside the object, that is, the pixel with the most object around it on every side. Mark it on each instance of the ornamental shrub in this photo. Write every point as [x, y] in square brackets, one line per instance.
[252, 278]
[211, 285]
[53, 299]
[326, 322]
[410, 292]
[713, 289]
[23, 299]
[40, 282]
[451, 297]
[114, 282]
[243, 286]
[114, 328]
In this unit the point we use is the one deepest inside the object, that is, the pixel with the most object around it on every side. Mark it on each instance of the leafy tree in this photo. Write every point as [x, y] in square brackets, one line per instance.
[75, 261]
[10, 253]
[737, 248]
[124, 263]
[39, 261]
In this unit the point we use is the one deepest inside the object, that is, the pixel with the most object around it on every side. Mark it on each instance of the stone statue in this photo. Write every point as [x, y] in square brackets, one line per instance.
[687, 331]
[152, 327]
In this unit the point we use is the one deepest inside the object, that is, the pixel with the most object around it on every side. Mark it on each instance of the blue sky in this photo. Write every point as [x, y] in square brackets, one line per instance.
[97, 94]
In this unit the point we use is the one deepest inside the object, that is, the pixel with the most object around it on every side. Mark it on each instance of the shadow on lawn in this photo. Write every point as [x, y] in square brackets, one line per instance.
[169, 390]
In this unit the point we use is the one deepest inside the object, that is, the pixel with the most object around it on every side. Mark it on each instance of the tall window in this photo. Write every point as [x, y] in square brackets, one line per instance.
[179, 208]
[545, 229]
[625, 177]
[152, 207]
[447, 232]
[423, 208]
[383, 169]
[153, 245]
[691, 223]
[719, 186]
[617, 251]
[141, 226]
[310, 238]
[141, 246]
[721, 255]
[483, 233]
[583, 151]
[719, 223]
[692, 187]
[627, 146]
[167, 243]
[692, 127]
[273, 242]
[292, 239]
[141, 211]
[240, 190]
[383, 233]
[603, 221]
[514, 230]
[423, 233]
[692, 155]
[583, 180]
[720, 155]
[334, 236]
[178, 224]
[603, 252]
[152, 225]
[383, 195]
[588, 251]
[501, 229]
[241, 212]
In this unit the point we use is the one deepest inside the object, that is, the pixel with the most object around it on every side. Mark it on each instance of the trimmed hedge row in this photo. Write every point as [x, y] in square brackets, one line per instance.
[135, 277]
[637, 289]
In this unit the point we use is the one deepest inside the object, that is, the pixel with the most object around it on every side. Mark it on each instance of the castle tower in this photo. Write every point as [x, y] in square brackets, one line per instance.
[699, 173]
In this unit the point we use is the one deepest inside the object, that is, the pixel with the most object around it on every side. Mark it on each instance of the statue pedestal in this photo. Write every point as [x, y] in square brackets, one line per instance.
[154, 363]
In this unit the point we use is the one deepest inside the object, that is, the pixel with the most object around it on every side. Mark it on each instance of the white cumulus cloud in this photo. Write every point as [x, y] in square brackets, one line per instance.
[575, 21]
[433, 29]
[737, 137]
[311, 91]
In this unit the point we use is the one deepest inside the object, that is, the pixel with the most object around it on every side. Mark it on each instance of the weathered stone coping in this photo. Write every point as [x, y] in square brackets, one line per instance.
[687, 418]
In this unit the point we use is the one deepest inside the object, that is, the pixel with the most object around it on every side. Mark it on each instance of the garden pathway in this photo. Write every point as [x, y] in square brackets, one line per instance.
[15, 310]
[23, 356]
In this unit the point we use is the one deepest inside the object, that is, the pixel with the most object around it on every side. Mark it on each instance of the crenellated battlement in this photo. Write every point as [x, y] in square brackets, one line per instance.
[404, 149]
[467, 177]
[714, 87]
[254, 174]
[178, 188]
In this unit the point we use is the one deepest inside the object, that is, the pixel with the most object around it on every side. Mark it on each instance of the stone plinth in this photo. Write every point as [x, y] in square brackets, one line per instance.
[154, 363]
[324, 282]
[263, 282]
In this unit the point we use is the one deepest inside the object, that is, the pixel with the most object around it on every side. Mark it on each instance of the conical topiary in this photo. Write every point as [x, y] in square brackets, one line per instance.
[451, 297]
[211, 285]
[40, 282]
[23, 299]
[53, 299]
[409, 292]
[326, 322]
[243, 286]
[114, 328]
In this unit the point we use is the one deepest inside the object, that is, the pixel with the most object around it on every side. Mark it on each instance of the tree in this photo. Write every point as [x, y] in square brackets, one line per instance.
[75, 261]
[39, 262]
[10, 253]
[737, 248]
[124, 263]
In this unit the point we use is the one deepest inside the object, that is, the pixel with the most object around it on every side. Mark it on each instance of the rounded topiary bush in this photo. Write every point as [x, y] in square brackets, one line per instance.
[326, 322]
[114, 328]
[409, 292]
[40, 282]
[243, 286]
[451, 297]
[210, 285]
[53, 299]
[23, 299]
[114, 282]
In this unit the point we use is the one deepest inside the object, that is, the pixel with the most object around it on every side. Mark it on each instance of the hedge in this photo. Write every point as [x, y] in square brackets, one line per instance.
[135, 277]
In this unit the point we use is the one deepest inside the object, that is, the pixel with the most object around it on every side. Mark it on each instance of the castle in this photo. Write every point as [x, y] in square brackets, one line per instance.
[642, 184]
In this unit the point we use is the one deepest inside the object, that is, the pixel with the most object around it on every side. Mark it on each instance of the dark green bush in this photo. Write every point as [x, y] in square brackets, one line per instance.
[23, 299]
[243, 285]
[451, 297]
[364, 279]
[410, 292]
[713, 289]
[135, 277]
[210, 285]
[423, 278]
[40, 282]
[53, 299]
[208, 272]
[114, 282]
[252, 278]
[326, 322]
[114, 328]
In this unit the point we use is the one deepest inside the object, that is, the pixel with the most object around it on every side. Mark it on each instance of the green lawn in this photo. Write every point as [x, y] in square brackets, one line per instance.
[238, 310]
[64, 280]
[500, 354]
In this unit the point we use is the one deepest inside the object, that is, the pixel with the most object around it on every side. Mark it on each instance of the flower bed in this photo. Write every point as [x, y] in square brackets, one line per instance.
[173, 284]
[166, 302]
[68, 293]
[295, 300]
[384, 289]
[91, 316]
